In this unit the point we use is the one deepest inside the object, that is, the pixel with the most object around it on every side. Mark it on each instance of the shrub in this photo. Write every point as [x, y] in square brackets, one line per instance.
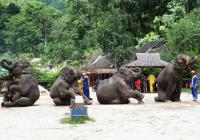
[45, 79]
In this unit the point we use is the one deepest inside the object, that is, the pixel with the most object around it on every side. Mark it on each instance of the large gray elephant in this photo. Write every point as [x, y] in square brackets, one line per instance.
[169, 81]
[116, 90]
[65, 87]
[22, 90]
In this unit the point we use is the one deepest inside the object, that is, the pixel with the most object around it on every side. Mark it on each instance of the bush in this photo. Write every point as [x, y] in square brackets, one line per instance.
[45, 79]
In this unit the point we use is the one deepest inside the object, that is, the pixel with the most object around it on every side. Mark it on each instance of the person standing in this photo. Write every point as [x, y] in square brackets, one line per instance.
[86, 86]
[152, 80]
[80, 83]
[194, 85]
[138, 85]
[144, 84]
[131, 85]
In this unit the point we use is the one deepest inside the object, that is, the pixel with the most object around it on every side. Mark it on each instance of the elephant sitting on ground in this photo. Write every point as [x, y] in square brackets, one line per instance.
[116, 90]
[23, 89]
[65, 87]
[169, 81]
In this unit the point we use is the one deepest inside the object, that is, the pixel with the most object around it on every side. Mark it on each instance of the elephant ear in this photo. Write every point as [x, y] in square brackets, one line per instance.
[193, 60]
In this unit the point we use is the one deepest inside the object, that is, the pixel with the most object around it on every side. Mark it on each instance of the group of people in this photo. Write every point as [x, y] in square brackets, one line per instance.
[83, 84]
[141, 84]
[144, 84]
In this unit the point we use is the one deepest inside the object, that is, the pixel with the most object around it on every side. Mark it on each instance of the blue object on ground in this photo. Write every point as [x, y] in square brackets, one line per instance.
[77, 112]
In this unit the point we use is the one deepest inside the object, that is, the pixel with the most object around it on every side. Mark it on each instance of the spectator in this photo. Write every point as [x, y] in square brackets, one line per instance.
[80, 83]
[188, 84]
[152, 79]
[138, 85]
[131, 85]
[194, 85]
[144, 84]
[97, 83]
[86, 86]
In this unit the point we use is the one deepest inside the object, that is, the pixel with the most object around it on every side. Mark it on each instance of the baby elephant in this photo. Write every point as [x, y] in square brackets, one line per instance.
[64, 88]
[115, 90]
[22, 90]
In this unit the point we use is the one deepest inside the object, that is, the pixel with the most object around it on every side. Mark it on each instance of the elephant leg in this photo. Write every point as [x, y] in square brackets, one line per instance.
[59, 102]
[161, 95]
[67, 94]
[23, 101]
[175, 97]
[117, 101]
[125, 94]
[7, 104]
[6, 97]
[85, 98]
[124, 101]
[16, 96]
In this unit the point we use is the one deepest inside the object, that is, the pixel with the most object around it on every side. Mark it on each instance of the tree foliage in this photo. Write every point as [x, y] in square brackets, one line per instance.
[25, 31]
[184, 36]
[67, 31]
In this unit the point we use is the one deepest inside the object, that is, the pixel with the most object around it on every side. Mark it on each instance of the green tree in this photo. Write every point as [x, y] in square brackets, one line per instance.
[6, 11]
[184, 36]
[26, 31]
[22, 35]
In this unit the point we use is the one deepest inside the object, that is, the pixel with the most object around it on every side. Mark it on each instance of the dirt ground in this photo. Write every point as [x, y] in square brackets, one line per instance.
[152, 121]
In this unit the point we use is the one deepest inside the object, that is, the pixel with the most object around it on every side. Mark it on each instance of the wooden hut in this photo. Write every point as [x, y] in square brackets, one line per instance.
[99, 66]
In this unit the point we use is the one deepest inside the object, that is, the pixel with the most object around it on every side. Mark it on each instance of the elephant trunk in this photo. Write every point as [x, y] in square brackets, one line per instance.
[7, 65]
[190, 62]
[193, 60]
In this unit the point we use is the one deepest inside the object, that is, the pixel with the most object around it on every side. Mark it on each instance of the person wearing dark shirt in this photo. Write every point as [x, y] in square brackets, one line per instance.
[86, 86]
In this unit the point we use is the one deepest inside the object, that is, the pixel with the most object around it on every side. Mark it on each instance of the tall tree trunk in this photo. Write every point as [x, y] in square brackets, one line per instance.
[45, 35]
[34, 50]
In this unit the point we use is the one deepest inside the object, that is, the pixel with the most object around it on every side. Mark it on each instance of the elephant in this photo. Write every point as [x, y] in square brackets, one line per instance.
[116, 90]
[22, 90]
[65, 87]
[169, 80]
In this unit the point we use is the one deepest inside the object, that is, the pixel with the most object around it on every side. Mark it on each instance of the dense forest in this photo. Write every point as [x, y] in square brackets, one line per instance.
[67, 31]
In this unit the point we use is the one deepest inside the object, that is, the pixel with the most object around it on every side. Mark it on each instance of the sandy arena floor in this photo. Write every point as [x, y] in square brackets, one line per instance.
[151, 121]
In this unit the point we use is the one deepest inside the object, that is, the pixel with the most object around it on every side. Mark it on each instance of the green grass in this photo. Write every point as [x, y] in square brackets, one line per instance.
[1, 95]
[81, 120]
[188, 90]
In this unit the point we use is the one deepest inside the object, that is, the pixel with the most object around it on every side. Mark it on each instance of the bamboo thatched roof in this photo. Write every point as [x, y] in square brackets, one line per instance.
[98, 61]
[156, 46]
[147, 60]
